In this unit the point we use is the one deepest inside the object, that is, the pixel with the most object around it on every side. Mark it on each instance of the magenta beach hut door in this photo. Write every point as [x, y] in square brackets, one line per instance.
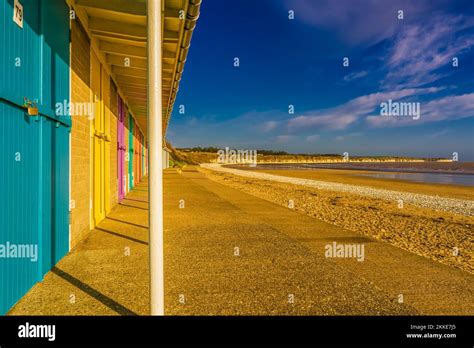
[122, 178]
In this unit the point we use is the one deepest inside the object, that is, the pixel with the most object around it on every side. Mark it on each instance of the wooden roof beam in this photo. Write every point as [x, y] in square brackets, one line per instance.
[132, 80]
[123, 50]
[124, 71]
[137, 8]
[113, 27]
[121, 61]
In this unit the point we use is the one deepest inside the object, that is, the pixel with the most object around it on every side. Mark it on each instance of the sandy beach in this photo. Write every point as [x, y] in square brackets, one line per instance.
[435, 221]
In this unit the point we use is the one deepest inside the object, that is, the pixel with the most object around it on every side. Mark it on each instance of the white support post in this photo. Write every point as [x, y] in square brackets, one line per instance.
[155, 155]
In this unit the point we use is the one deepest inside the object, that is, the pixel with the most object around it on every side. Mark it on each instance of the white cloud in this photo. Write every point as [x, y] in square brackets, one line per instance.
[451, 107]
[344, 115]
[268, 126]
[419, 50]
[358, 21]
[355, 75]
[313, 138]
[282, 139]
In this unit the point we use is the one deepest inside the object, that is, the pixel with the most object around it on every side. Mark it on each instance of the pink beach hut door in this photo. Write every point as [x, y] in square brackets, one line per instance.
[122, 178]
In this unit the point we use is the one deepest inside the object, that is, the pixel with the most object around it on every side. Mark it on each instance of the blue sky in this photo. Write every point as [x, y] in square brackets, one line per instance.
[299, 62]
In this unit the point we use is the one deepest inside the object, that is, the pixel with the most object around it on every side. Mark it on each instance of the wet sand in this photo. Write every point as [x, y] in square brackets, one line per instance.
[407, 167]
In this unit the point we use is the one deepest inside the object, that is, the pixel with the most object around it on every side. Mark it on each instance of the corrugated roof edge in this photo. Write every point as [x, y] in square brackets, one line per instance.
[192, 16]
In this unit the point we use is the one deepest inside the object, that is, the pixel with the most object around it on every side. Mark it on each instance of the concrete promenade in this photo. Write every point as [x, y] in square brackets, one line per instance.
[230, 253]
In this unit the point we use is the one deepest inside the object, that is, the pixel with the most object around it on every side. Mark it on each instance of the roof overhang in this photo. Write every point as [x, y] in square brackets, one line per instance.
[118, 33]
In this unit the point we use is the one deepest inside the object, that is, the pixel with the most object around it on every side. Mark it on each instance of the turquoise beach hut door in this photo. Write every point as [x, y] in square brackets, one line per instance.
[34, 141]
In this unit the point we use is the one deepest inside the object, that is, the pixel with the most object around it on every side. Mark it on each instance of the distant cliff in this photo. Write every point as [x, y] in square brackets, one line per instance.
[194, 156]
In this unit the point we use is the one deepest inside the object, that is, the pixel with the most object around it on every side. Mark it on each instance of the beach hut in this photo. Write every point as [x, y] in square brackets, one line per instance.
[64, 169]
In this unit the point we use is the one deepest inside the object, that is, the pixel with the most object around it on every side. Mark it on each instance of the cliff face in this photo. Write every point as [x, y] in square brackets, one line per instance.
[194, 157]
